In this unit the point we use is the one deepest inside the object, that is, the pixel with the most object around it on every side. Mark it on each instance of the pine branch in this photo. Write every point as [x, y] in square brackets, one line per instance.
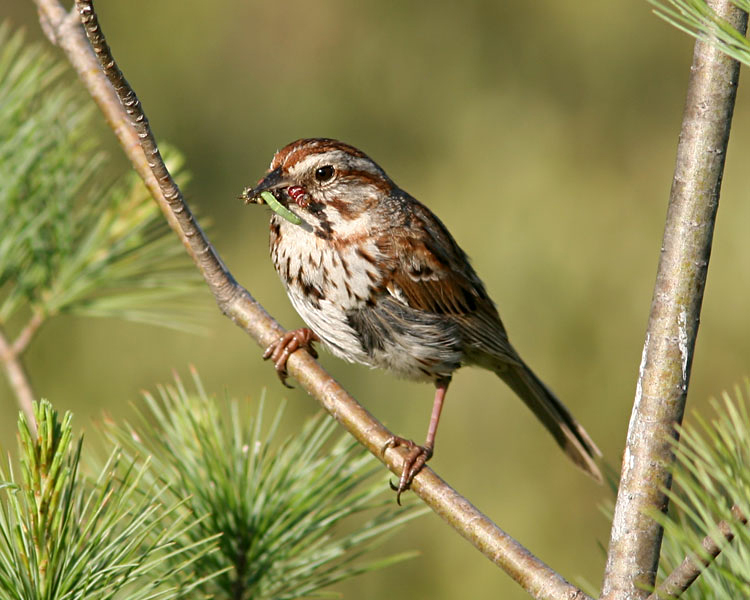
[63, 536]
[691, 567]
[673, 323]
[68, 242]
[698, 19]
[706, 538]
[131, 127]
[280, 508]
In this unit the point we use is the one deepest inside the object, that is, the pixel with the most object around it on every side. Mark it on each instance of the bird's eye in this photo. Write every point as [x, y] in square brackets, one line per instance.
[323, 174]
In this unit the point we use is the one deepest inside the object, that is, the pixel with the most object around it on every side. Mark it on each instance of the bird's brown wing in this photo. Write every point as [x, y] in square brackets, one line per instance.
[426, 278]
[433, 274]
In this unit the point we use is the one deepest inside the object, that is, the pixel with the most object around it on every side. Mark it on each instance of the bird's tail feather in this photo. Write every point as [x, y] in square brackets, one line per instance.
[568, 433]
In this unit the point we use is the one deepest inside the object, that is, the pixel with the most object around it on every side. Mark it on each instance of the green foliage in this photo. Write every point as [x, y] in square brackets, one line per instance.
[697, 19]
[294, 517]
[70, 242]
[711, 475]
[62, 537]
[217, 510]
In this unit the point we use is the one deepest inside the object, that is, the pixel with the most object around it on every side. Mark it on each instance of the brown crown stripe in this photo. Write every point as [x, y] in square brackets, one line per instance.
[292, 153]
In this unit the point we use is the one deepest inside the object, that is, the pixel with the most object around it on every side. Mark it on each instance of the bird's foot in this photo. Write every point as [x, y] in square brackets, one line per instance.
[280, 350]
[415, 459]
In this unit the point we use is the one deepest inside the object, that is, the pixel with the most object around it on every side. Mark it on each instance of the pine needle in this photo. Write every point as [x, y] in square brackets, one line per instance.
[294, 516]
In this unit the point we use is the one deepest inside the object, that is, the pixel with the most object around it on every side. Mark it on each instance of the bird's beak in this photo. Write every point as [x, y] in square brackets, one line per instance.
[270, 183]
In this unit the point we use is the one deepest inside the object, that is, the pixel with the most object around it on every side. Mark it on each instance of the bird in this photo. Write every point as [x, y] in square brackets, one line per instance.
[379, 280]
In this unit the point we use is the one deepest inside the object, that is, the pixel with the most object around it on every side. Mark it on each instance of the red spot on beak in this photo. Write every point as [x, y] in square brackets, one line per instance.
[298, 194]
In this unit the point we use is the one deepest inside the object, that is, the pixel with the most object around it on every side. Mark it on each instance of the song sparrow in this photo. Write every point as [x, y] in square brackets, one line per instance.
[380, 281]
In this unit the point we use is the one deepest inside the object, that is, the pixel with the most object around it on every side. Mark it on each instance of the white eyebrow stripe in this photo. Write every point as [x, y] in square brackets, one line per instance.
[336, 158]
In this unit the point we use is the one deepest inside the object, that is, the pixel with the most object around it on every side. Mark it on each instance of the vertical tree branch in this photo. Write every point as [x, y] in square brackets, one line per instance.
[675, 313]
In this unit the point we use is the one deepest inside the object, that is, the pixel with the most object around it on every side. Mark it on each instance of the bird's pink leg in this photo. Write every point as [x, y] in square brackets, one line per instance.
[418, 455]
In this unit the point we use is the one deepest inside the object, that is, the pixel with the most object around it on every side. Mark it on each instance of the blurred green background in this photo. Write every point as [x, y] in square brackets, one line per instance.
[556, 121]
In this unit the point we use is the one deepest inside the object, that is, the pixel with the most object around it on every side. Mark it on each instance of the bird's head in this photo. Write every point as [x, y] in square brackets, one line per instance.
[326, 183]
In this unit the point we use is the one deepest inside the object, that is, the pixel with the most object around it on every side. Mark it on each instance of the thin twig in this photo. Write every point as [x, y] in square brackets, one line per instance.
[27, 333]
[683, 576]
[673, 323]
[19, 380]
[235, 302]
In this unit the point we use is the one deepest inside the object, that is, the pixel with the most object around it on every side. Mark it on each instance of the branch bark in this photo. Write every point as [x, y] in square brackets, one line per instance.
[131, 127]
[675, 313]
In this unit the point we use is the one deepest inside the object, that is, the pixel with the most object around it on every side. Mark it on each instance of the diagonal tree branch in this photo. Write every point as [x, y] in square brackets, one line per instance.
[683, 576]
[11, 355]
[11, 359]
[675, 313]
[131, 127]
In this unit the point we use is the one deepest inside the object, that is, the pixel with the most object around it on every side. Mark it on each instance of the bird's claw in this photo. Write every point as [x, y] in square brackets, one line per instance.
[280, 350]
[415, 459]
